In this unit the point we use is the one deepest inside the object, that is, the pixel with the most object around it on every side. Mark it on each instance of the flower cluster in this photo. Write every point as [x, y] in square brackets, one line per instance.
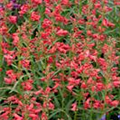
[59, 59]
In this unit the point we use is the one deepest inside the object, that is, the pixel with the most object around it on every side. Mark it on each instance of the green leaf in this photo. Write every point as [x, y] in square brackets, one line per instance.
[57, 104]
[59, 111]
[67, 107]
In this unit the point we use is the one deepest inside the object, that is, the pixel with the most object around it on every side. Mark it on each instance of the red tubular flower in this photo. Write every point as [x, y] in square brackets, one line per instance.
[25, 63]
[74, 106]
[117, 3]
[8, 81]
[11, 77]
[35, 16]
[44, 116]
[51, 106]
[15, 39]
[114, 103]
[5, 115]
[70, 87]
[65, 2]
[1, 69]
[97, 5]
[3, 30]
[50, 60]
[63, 48]
[97, 104]
[48, 12]
[105, 22]
[83, 85]
[9, 6]
[47, 1]
[37, 2]
[46, 23]
[87, 103]
[116, 83]
[27, 85]
[31, 106]
[24, 8]
[13, 19]
[9, 59]
[11, 74]
[99, 86]
[62, 32]
[108, 100]
[1, 1]
[17, 117]
[33, 116]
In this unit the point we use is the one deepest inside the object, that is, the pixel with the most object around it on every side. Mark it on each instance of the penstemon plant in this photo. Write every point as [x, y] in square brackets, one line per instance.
[59, 59]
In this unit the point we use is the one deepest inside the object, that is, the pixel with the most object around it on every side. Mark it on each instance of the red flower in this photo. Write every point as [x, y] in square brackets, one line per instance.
[1, 1]
[33, 116]
[25, 63]
[70, 87]
[5, 115]
[11, 74]
[115, 103]
[116, 83]
[99, 86]
[35, 16]
[24, 8]
[62, 32]
[13, 19]
[51, 106]
[31, 106]
[9, 59]
[11, 77]
[74, 106]
[97, 104]
[8, 80]
[83, 85]
[3, 29]
[15, 39]
[37, 1]
[9, 6]
[108, 100]
[106, 23]
[46, 23]
[44, 116]
[87, 103]
[65, 2]
[17, 117]
[1, 69]
[27, 85]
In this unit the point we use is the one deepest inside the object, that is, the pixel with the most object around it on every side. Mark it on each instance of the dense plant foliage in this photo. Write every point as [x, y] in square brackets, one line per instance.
[59, 59]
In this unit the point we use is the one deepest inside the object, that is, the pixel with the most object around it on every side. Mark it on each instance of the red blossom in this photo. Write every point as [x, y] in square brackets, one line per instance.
[25, 63]
[62, 32]
[114, 103]
[37, 1]
[35, 16]
[46, 23]
[13, 19]
[15, 39]
[44, 116]
[24, 8]
[27, 85]
[87, 103]
[74, 106]
[17, 117]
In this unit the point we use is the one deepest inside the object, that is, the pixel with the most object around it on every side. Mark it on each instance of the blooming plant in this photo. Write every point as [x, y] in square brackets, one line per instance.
[59, 59]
